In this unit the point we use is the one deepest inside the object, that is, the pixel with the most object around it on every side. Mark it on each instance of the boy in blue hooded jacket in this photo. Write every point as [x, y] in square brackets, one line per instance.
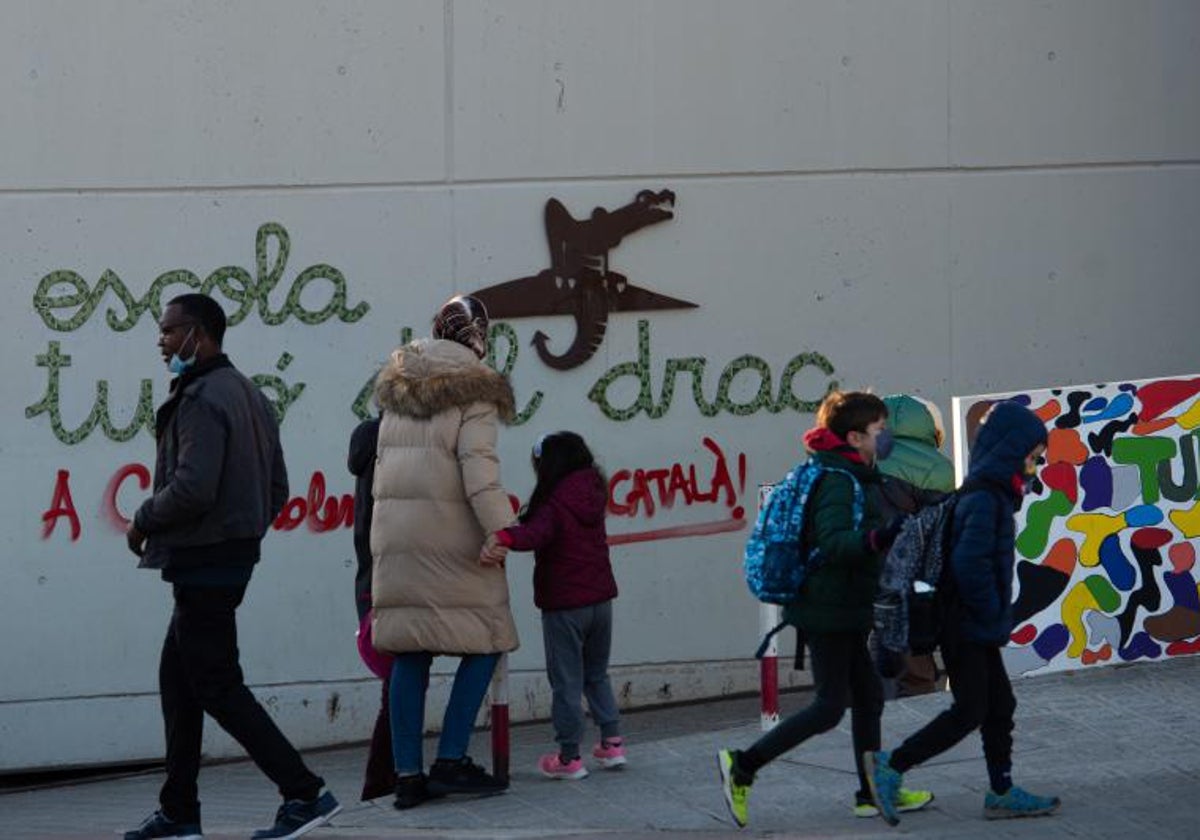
[979, 620]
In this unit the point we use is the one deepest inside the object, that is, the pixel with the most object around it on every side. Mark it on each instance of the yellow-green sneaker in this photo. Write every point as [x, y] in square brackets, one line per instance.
[906, 800]
[735, 794]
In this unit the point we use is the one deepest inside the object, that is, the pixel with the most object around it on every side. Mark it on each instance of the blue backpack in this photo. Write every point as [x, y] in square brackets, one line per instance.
[776, 560]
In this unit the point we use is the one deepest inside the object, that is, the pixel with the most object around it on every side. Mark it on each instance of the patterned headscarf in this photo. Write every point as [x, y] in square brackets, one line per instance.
[463, 319]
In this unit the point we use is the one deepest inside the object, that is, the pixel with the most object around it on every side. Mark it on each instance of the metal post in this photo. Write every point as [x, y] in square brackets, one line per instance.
[768, 617]
[768, 670]
[500, 741]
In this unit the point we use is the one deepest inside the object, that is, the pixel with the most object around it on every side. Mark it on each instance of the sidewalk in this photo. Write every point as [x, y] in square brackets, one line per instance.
[1121, 745]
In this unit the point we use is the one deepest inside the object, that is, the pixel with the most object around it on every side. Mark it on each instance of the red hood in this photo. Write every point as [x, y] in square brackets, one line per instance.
[823, 440]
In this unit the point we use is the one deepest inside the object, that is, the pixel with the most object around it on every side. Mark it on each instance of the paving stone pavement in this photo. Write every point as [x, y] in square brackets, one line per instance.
[1120, 745]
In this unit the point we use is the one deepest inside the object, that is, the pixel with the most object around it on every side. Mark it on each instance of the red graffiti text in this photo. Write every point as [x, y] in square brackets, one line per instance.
[317, 510]
[644, 491]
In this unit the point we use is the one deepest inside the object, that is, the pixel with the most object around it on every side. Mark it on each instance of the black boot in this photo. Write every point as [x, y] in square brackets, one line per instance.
[412, 790]
[449, 775]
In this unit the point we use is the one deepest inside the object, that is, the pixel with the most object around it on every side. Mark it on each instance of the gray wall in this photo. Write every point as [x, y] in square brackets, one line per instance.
[940, 197]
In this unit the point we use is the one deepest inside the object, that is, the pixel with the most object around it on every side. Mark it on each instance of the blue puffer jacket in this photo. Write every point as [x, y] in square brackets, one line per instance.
[981, 562]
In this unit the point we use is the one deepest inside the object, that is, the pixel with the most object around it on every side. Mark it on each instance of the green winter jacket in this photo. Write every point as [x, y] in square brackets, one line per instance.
[915, 457]
[838, 595]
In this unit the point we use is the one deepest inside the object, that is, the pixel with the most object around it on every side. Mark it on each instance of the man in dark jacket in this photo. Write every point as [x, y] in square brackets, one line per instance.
[979, 619]
[834, 609]
[219, 482]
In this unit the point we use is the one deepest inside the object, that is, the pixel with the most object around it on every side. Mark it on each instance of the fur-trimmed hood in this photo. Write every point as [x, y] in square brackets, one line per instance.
[428, 376]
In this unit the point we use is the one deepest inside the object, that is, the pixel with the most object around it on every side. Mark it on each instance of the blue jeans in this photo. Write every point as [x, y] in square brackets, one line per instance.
[410, 679]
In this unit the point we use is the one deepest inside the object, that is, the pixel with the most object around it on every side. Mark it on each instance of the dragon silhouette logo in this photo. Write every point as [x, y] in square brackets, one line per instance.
[579, 282]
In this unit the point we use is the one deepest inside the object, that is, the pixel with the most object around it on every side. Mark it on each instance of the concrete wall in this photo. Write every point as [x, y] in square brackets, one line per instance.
[938, 197]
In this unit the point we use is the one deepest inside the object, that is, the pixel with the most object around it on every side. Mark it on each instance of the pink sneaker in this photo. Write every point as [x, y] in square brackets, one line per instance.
[610, 752]
[552, 767]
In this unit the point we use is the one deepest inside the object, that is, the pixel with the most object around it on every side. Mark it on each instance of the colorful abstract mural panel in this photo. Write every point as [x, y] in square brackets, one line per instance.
[1106, 540]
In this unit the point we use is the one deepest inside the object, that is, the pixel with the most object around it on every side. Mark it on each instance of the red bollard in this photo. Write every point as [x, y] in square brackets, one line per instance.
[768, 677]
[500, 742]
[768, 669]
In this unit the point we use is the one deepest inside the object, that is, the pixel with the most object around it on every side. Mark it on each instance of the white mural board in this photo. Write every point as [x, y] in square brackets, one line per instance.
[1106, 540]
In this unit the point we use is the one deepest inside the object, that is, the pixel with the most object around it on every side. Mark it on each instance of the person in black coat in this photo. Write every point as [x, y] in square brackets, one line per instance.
[361, 463]
[979, 620]
[379, 778]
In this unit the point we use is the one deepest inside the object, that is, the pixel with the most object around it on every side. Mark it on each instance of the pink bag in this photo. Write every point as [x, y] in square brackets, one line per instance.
[378, 661]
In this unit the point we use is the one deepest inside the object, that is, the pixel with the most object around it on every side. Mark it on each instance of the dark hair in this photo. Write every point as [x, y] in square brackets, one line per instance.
[842, 412]
[205, 311]
[555, 457]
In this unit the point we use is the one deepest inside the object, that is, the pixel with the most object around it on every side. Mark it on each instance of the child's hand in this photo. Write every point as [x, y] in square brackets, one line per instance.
[493, 552]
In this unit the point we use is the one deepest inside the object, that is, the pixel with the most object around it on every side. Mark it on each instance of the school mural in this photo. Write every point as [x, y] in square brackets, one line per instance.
[578, 282]
[676, 416]
[65, 302]
[1106, 540]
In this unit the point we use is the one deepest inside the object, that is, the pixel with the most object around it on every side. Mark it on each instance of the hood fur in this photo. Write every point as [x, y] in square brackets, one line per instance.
[428, 376]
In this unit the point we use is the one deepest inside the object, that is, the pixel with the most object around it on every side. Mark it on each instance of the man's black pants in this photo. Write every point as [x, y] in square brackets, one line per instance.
[198, 673]
[983, 699]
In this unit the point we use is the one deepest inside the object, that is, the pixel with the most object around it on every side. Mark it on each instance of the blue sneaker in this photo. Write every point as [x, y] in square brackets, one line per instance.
[885, 784]
[1017, 802]
[297, 816]
[158, 825]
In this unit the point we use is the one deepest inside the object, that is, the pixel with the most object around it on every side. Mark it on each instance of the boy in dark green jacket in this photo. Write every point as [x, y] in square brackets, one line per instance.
[833, 611]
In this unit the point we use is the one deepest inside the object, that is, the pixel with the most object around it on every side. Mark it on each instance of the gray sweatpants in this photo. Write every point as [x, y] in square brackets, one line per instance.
[577, 645]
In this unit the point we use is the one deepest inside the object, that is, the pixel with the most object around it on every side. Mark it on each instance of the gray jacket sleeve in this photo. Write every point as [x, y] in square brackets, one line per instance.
[192, 490]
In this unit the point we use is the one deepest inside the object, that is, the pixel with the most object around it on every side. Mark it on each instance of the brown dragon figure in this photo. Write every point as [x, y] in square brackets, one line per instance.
[579, 282]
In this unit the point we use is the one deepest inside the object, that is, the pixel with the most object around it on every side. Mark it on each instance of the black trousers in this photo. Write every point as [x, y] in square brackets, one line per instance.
[198, 673]
[983, 700]
[843, 675]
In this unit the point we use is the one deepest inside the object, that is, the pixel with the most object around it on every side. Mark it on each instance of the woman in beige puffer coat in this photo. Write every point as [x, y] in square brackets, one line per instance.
[437, 495]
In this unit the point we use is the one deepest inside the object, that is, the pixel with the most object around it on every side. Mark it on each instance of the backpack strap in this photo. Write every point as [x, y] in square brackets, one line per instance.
[801, 640]
[859, 506]
[766, 640]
